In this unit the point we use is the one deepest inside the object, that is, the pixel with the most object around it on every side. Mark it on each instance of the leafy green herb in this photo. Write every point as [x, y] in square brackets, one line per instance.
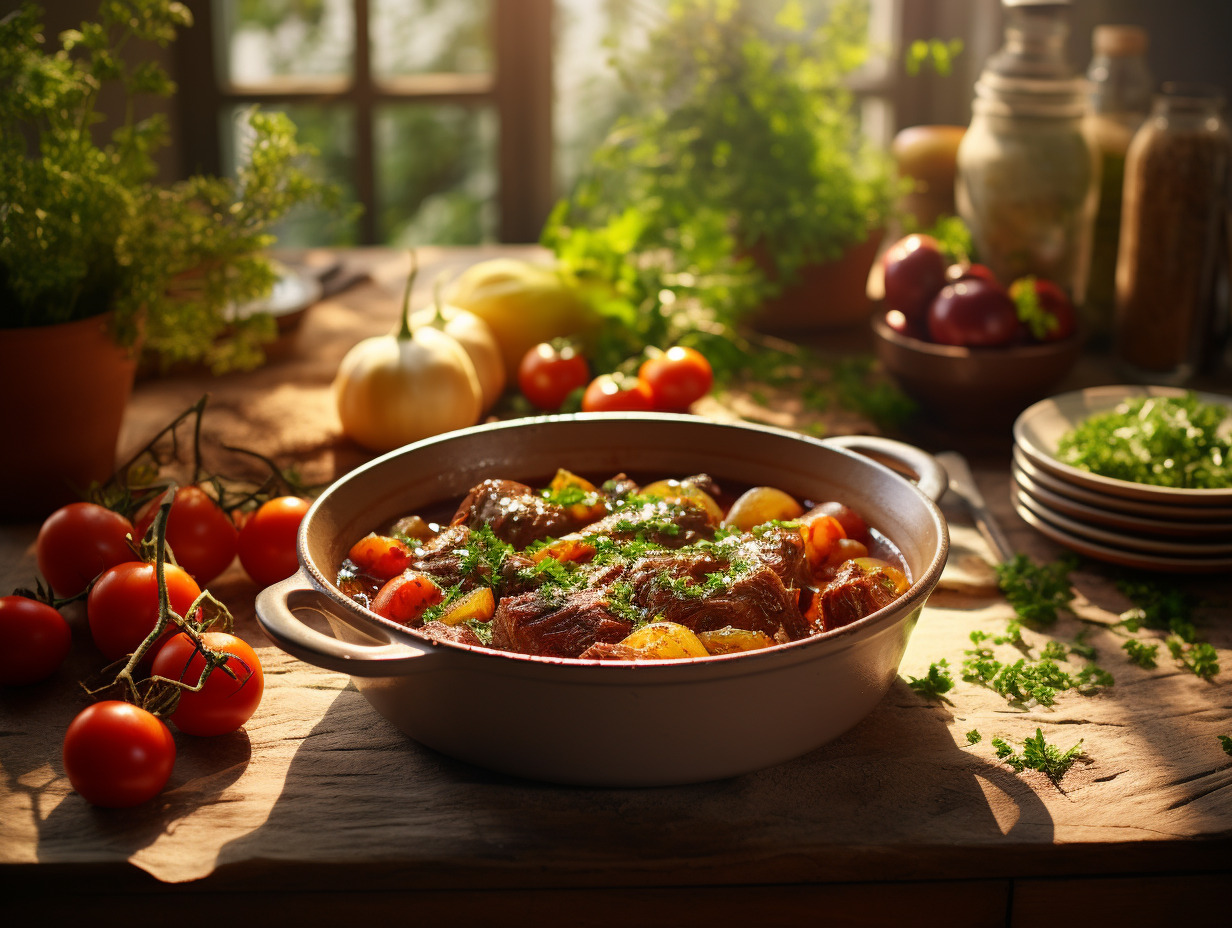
[1141, 653]
[484, 557]
[740, 161]
[482, 630]
[1023, 681]
[1155, 440]
[1199, 658]
[974, 737]
[1226, 743]
[1038, 754]
[85, 228]
[1162, 607]
[1037, 591]
[936, 683]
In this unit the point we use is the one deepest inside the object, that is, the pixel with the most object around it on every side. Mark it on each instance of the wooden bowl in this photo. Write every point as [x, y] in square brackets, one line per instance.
[973, 387]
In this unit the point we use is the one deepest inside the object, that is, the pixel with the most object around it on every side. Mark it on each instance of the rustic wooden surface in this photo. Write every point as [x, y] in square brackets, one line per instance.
[319, 793]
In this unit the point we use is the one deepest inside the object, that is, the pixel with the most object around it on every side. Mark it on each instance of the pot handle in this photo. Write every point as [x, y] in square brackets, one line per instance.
[919, 466]
[276, 609]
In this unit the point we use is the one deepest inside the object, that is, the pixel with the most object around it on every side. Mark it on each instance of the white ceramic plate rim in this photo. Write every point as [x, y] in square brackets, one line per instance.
[1127, 541]
[1039, 428]
[1200, 515]
[1119, 556]
[1111, 518]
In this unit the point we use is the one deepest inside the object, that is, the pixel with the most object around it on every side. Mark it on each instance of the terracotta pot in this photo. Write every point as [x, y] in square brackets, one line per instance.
[65, 388]
[826, 296]
[614, 723]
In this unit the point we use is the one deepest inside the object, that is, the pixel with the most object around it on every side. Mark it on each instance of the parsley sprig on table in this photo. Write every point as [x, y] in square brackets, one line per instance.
[1038, 754]
[936, 683]
[1165, 608]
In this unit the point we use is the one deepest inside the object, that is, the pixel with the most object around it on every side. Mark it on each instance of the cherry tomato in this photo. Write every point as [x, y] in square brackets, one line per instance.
[267, 542]
[973, 313]
[117, 755]
[677, 378]
[607, 393]
[34, 640]
[406, 597]
[201, 535]
[78, 542]
[548, 373]
[382, 556]
[914, 268]
[224, 703]
[1045, 313]
[122, 608]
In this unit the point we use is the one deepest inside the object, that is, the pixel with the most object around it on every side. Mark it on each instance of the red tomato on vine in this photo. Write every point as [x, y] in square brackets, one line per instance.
[122, 608]
[34, 640]
[117, 755]
[78, 542]
[267, 542]
[225, 702]
[200, 534]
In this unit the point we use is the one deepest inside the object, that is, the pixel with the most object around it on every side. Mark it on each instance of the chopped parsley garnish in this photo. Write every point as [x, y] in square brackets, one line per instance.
[974, 737]
[1141, 653]
[1038, 754]
[1037, 591]
[1161, 607]
[1023, 681]
[482, 630]
[484, 557]
[1155, 440]
[934, 684]
[1226, 743]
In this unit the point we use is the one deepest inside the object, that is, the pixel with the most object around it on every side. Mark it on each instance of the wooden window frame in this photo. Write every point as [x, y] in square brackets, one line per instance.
[519, 90]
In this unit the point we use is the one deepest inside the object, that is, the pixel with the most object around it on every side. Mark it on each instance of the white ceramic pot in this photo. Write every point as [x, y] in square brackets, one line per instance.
[605, 723]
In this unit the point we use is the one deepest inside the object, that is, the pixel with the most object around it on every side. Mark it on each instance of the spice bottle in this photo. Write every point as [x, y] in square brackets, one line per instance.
[1027, 171]
[1121, 88]
[1175, 202]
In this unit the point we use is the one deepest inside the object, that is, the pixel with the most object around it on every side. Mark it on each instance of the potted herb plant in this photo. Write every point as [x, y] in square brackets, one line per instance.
[741, 165]
[97, 259]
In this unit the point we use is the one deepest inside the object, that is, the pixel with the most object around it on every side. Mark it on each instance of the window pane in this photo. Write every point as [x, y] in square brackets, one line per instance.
[270, 41]
[436, 174]
[430, 36]
[331, 131]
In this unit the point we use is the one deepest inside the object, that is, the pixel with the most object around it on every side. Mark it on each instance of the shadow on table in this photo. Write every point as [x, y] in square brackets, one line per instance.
[359, 792]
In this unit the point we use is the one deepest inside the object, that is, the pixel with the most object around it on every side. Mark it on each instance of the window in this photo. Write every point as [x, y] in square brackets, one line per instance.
[449, 121]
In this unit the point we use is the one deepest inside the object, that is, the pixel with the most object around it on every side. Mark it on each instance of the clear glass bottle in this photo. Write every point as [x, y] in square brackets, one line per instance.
[1175, 202]
[1028, 172]
[1121, 87]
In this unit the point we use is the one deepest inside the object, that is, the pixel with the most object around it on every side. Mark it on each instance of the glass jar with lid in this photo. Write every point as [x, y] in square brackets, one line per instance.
[1175, 203]
[1121, 88]
[1027, 170]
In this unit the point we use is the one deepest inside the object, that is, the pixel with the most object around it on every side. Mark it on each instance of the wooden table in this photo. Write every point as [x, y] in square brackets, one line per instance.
[320, 810]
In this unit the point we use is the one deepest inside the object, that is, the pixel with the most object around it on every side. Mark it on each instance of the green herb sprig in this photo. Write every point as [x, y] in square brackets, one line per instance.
[1038, 754]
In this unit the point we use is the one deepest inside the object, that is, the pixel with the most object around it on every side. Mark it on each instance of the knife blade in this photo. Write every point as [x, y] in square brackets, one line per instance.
[962, 484]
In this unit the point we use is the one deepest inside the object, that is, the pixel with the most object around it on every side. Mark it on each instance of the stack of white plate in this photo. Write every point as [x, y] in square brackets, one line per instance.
[1131, 524]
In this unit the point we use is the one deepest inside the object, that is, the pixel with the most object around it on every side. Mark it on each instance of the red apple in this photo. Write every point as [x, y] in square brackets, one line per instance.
[914, 271]
[957, 272]
[972, 313]
[1044, 311]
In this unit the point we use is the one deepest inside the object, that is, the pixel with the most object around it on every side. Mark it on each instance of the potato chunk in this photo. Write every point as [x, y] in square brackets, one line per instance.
[759, 505]
[664, 641]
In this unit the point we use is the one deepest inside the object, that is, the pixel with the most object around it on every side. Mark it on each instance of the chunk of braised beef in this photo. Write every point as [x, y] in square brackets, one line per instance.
[448, 559]
[677, 588]
[669, 525]
[780, 549]
[851, 595]
[550, 623]
[517, 514]
[461, 634]
[603, 651]
[620, 487]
